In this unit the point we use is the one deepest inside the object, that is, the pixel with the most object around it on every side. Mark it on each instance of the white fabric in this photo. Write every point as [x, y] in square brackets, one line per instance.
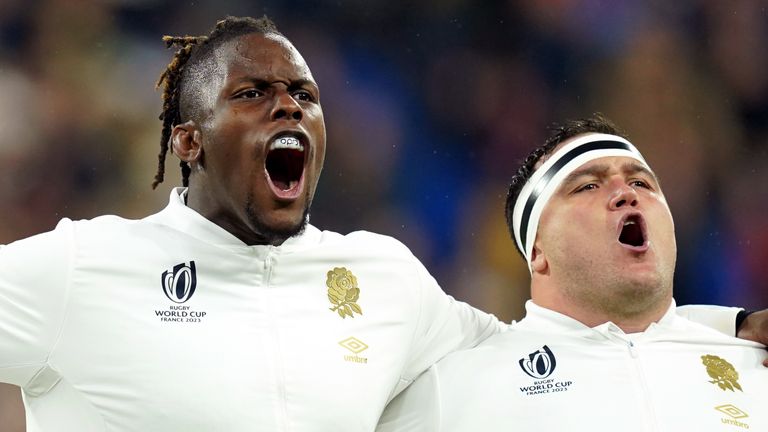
[546, 190]
[719, 318]
[81, 329]
[602, 380]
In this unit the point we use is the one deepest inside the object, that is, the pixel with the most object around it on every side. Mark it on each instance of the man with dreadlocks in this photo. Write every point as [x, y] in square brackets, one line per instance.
[225, 311]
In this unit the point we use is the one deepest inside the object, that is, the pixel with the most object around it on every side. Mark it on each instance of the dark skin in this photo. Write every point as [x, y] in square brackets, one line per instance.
[755, 328]
[262, 89]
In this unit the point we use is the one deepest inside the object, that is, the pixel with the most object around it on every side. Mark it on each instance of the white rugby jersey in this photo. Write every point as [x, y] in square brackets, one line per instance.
[549, 372]
[170, 323]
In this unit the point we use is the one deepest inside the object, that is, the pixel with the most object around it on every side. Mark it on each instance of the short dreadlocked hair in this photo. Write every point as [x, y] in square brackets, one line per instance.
[191, 64]
[597, 123]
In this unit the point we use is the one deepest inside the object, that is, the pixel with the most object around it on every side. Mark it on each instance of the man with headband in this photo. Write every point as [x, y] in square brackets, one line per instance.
[227, 310]
[601, 347]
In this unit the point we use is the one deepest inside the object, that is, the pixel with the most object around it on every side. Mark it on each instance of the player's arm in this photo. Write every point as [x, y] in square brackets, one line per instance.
[33, 282]
[720, 318]
[417, 409]
[443, 325]
[732, 321]
[753, 326]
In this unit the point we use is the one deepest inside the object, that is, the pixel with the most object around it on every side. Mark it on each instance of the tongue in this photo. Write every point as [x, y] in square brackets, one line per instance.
[285, 186]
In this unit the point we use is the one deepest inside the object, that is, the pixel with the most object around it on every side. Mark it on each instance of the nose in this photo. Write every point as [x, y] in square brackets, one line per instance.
[624, 196]
[286, 108]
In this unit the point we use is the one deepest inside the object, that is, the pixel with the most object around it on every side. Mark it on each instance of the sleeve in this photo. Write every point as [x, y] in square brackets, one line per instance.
[416, 409]
[720, 318]
[444, 325]
[34, 275]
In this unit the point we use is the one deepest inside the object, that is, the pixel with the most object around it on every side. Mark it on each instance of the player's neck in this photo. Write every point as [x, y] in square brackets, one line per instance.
[210, 207]
[632, 317]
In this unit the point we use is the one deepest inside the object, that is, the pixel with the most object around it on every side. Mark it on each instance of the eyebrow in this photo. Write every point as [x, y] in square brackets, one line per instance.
[295, 83]
[635, 168]
[601, 170]
[303, 82]
[262, 83]
[598, 170]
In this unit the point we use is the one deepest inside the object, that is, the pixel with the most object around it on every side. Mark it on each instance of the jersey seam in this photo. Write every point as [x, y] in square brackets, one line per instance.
[418, 319]
[17, 365]
[96, 409]
[439, 401]
[65, 316]
[67, 296]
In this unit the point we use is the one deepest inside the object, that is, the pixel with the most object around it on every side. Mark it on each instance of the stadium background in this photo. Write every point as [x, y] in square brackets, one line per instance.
[429, 107]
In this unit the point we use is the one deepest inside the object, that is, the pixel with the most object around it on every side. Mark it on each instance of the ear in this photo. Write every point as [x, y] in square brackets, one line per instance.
[539, 262]
[186, 142]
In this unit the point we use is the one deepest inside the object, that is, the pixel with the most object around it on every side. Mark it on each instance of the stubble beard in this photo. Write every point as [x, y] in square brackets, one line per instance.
[617, 297]
[274, 235]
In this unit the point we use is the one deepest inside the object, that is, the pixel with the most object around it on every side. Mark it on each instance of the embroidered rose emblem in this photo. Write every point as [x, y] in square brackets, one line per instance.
[722, 373]
[343, 292]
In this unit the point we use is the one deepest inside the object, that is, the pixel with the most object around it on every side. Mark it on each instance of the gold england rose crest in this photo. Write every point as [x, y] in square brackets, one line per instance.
[722, 373]
[343, 292]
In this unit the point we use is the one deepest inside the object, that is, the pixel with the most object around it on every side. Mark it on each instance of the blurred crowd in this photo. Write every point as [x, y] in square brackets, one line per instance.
[430, 106]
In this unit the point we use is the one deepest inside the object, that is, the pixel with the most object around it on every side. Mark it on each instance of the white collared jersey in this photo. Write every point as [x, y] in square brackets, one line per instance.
[170, 323]
[551, 373]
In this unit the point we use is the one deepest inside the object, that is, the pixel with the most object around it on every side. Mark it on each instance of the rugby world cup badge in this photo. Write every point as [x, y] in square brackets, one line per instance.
[539, 365]
[179, 283]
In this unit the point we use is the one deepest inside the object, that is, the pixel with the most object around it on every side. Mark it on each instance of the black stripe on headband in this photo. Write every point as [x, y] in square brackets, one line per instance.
[547, 177]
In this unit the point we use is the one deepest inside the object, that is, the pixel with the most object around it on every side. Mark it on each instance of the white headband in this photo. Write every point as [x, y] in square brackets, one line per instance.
[544, 182]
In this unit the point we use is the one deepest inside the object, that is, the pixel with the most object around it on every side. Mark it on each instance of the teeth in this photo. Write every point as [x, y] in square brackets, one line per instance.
[287, 142]
[629, 222]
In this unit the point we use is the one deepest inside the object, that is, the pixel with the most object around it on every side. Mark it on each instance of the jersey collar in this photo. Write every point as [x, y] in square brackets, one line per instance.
[182, 218]
[538, 318]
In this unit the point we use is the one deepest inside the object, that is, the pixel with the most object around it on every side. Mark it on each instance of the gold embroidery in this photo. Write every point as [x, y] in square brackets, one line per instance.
[355, 345]
[343, 292]
[731, 411]
[722, 373]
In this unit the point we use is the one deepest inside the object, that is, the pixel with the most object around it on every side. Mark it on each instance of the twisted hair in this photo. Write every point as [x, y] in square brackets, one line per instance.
[180, 82]
[597, 123]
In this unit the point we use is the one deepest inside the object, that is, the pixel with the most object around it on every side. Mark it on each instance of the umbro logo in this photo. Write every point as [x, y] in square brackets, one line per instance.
[179, 282]
[355, 346]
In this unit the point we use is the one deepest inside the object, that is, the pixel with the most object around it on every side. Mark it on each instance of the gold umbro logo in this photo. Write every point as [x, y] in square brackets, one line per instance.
[731, 411]
[356, 346]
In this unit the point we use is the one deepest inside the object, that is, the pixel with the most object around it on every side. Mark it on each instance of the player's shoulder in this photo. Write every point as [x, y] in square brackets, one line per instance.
[55, 239]
[64, 231]
[108, 231]
[495, 360]
[508, 344]
[366, 240]
[106, 221]
[67, 234]
[690, 332]
[104, 225]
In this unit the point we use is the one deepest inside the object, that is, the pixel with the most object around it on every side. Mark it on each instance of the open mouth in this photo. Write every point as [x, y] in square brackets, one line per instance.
[632, 231]
[285, 165]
